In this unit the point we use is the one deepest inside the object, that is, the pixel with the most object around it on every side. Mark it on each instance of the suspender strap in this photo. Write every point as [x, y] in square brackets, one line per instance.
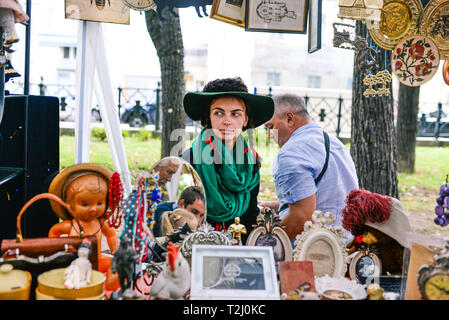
[326, 145]
[323, 171]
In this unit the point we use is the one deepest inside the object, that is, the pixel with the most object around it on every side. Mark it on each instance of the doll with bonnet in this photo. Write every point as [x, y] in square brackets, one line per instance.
[93, 192]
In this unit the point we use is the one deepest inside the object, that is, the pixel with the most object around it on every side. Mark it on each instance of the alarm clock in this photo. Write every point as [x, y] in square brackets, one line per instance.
[433, 280]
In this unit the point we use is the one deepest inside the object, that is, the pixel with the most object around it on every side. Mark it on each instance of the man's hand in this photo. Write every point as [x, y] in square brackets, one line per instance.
[274, 205]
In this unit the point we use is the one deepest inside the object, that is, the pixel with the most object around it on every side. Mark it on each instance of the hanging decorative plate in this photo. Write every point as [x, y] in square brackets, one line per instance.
[415, 60]
[399, 19]
[446, 72]
[435, 24]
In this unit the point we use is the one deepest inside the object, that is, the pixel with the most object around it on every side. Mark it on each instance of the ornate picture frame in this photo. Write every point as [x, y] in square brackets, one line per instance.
[204, 235]
[233, 272]
[289, 16]
[229, 11]
[364, 267]
[322, 244]
[270, 233]
[314, 32]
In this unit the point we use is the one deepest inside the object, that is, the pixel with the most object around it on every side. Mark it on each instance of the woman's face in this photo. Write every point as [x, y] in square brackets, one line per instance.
[228, 117]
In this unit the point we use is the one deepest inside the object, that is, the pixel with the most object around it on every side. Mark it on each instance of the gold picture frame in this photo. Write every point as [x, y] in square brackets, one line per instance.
[229, 11]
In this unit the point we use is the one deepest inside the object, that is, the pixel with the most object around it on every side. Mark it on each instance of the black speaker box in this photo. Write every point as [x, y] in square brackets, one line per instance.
[29, 159]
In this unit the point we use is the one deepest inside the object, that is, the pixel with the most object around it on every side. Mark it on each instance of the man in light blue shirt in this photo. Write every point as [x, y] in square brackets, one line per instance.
[306, 176]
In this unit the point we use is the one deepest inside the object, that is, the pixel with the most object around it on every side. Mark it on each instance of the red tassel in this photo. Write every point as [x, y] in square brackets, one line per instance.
[115, 197]
[362, 206]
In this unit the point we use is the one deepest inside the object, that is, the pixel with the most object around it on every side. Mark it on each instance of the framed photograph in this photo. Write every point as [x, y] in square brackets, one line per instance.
[229, 11]
[112, 11]
[233, 272]
[314, 32]
[321, 243]
[273, 16]
[364, 267]
[270, 233]
[296, 277]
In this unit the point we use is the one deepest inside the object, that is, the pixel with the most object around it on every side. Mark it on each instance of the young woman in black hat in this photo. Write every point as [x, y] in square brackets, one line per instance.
[221, 155]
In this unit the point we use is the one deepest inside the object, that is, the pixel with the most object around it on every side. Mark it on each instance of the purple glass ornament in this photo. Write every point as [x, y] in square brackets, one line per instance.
[446, 202]
[156, 195]
[445, 192]
[441, 221]
[439, 210]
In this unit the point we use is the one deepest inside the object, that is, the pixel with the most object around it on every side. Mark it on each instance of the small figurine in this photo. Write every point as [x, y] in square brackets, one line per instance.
[124, 262]
[237, 229]
[85, 188]
[171, 4]
[174, 280]
[375, 292]
[78, 274]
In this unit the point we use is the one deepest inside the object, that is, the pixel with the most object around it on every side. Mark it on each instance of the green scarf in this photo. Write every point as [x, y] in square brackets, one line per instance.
[229, 186]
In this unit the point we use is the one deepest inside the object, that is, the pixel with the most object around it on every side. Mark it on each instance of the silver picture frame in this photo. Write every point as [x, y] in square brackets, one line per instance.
[233, 273]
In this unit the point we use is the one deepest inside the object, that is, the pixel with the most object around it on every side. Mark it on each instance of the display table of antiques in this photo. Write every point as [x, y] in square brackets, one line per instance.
[371, 255]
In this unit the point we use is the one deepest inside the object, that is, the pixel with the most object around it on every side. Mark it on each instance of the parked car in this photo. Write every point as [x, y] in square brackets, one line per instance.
[427, 123]
[142, 115]
[138, 115]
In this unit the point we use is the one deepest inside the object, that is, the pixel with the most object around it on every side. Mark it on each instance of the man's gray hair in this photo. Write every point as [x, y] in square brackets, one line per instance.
[167, 161]
[289, 102]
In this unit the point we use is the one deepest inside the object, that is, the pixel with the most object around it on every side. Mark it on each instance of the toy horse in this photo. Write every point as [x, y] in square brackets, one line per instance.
[171, 4]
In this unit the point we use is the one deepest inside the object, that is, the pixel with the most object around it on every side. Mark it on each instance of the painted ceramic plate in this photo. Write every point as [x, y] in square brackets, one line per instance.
[399, 19]
[415, 60]
[446, 72]
[435, 24]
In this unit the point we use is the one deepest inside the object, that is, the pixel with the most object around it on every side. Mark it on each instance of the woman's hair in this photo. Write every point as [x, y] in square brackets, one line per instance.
[224, 85]
[173, 220]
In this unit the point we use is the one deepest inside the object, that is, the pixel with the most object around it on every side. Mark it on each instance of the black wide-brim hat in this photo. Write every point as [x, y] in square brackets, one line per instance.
[262, 107]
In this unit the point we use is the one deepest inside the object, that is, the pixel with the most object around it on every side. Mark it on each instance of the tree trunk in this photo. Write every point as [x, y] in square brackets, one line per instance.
[167, 39]
[407, 127]
[373, 137]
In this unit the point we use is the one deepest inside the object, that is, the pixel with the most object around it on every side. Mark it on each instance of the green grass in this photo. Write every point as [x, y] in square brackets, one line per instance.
[418, 191]
[139, 154]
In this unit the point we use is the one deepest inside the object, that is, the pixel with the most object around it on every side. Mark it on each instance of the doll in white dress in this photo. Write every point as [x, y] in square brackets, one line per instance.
[78, 274]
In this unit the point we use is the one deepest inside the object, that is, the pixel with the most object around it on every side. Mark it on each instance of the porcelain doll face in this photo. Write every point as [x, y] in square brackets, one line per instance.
[87, 196]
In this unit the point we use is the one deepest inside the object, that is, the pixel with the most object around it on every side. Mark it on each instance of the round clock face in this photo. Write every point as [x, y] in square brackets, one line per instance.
[437, 287]
[139, 4]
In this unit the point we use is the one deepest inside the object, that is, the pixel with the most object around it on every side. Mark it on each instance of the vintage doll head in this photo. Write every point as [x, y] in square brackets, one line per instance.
[85, 188]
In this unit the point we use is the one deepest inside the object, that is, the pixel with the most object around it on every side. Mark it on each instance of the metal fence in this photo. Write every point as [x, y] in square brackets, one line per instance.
[330, 108]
